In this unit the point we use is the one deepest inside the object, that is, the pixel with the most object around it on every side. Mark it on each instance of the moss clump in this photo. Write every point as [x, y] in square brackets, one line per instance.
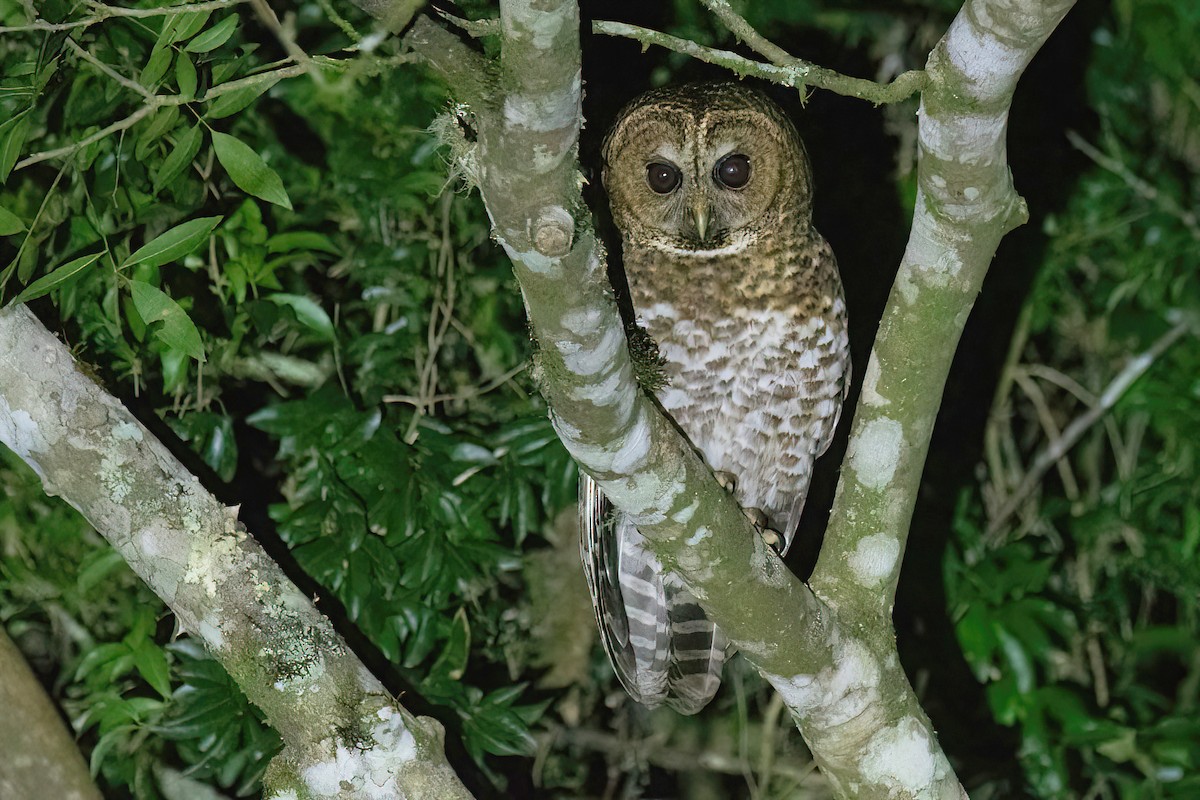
[648, 363]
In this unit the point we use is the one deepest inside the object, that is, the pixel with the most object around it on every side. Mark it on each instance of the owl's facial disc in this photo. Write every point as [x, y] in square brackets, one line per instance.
[704, 170]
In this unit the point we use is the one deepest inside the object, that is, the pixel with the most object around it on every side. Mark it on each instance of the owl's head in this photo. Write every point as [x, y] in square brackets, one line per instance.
[704, 168]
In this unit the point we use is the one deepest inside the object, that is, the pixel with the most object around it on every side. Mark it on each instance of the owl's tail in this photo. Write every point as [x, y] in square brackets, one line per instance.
[661, 645]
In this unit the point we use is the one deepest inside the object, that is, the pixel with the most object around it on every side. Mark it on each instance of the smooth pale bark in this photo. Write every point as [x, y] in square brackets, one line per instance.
[344, 735]
[965, 204]
[830, 653]
[38, 756]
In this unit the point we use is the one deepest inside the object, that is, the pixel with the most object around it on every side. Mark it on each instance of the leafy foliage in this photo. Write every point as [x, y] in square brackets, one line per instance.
[1079, 613]
[418, 467]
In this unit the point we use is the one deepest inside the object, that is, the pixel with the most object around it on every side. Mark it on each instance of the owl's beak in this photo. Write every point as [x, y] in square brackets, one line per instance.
[700, 217]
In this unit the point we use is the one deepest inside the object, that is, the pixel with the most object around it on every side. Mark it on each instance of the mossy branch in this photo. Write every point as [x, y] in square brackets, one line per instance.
[965, 205]
[344, 735]
[527, 113]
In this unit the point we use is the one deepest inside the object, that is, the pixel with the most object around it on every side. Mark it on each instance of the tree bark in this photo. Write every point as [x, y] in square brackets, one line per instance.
[344, 735]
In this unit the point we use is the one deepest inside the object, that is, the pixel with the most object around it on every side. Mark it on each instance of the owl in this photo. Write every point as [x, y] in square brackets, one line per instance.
[711, 190]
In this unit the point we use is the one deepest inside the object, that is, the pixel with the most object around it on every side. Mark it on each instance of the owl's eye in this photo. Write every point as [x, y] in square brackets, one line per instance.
[663, 178]
[733, 171]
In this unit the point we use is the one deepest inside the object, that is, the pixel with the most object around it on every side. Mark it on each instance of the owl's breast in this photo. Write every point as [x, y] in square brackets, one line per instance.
[756, 357]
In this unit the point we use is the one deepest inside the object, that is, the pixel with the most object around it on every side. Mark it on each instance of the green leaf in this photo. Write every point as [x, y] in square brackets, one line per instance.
[311, 315]
[173, 244]
[96, 567]
[453, 660]
[156, 65]
[100, 656]
[233, 102]
[214, 37]
[180, 157]
[10, 223]
[185, 76]
[174, 370]
[247, 169]
[151, 663]
[187, 25]
[107, 742]
[12, 139]
[161, 123]
[56, 278]
[177, 330]
[301, 240]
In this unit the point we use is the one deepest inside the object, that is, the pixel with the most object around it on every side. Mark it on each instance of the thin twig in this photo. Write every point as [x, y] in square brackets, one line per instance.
[337, 19]
[469, 393]
[745, 33]
[119, 125]
[439, 322]
[770, 727]
[675, 758]
[1046, 417]
[128, 83]
[475, 28]
[1071, 435]
[103, 12]
[285, 35]
[799, 74]
[1061, 380]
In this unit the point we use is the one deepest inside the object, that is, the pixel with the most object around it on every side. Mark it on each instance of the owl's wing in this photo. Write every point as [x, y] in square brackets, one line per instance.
[797, 507]
[661, 645]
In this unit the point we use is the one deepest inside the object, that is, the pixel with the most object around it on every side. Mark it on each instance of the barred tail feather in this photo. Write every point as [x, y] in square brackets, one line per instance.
[661, 645]
[698, 652]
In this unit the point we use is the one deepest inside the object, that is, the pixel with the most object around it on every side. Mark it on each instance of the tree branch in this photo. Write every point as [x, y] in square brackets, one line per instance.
[344, 735]
[104, 12]
[40, 756]
[965, 204]
[795, 72]
[830, 652]
[156, 101]
[745, 33]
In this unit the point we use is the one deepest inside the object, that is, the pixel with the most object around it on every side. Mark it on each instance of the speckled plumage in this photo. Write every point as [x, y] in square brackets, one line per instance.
[743, 298]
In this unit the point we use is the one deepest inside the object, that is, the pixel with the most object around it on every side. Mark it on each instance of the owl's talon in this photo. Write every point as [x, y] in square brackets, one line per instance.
[758, 518]
[773, 538]
[727, 480]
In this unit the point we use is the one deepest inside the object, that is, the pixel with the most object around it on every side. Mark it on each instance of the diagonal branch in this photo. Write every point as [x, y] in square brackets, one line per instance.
[156, 101]
[344, 735]
[102, 12]
[745, 32]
